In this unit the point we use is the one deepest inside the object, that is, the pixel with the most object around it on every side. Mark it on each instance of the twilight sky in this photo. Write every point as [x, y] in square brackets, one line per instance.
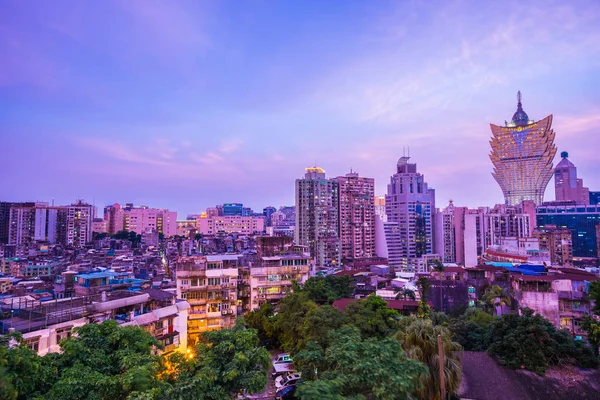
[188, 104]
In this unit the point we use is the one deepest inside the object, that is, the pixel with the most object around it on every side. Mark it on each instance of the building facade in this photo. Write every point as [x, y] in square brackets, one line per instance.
[567, 187]
[139, 219]
[317, 220]
[411, 204]
[522, 154]
[230, 224]
[558, 242]
[209, 285]
[579, 219]
[356, 209]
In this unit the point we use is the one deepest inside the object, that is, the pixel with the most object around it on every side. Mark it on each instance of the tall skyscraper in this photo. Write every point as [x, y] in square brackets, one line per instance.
[356, 216]
[522, 154]
[410, 204]
[5, 207]
[317, 216]
[567, 186]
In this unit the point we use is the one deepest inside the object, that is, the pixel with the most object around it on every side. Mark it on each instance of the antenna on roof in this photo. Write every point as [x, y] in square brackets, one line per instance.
[408, 148]
[519, 97]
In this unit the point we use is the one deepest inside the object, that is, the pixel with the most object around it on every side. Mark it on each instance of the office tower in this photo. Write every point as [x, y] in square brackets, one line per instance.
[594, 198]
[317, 217]
[356, 216]
[230, 209]
[410, 204]
[567, 186]
[522, 154]
[579, 219]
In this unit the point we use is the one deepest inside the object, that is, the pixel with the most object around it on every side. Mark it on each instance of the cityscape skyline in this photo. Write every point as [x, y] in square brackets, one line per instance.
[165, 108]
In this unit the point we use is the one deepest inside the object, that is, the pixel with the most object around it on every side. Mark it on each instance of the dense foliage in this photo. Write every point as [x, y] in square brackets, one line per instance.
[327, 289]
[106, 361]
[357, 367]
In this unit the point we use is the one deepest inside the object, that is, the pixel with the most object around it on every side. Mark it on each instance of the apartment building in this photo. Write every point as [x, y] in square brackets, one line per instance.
[271, 279]
[209, 284]
[245, 225]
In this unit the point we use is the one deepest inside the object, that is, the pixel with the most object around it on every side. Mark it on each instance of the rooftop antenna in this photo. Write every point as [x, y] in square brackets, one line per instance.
[519, 97]
[408, 151]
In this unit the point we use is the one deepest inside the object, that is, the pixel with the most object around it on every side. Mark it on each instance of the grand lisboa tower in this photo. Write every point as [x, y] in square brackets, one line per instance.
[522, 154]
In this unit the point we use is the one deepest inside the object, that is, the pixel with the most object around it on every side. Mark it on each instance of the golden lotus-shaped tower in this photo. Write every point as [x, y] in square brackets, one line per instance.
[522, 154]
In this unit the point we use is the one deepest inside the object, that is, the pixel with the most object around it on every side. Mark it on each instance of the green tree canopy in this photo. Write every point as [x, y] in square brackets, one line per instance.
[373, 317]
[226, 363]
[328, 289]
[353, 367]
[530, 341]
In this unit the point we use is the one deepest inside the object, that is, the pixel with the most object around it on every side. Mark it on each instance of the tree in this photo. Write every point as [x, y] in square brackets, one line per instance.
[592, 327]
[470, 329]
[327, 289]
[226, 363]
[107, 361]
[373, 317]
[497, 297]
[439, 268]
[263, 321]
[424, 309]
[531, 342]
[353, 367]
[418, 338]
[288, 322]
[406, 294]
[318, 322]
[594, 294]
[23, 374]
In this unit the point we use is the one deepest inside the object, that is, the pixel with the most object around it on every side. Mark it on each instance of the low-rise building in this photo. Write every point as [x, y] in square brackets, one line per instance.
[44, 324]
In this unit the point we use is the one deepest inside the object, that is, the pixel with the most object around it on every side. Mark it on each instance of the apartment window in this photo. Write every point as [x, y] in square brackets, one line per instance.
[214, 281]
[213, 266]
[33, 343]
[63, 333]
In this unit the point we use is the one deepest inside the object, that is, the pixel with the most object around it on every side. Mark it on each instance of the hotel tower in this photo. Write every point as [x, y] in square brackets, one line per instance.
[522, 154]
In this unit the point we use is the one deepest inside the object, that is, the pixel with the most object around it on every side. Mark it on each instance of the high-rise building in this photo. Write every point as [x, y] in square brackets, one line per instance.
[317, 217]
[567, 186]
[410, 204]
[5, 207]
[79, 219]
[140, 219]
[522, 154]
[445, 234]
[594, 198]
[579, 219]
[356, 216]
[39, 222]
[558, 242]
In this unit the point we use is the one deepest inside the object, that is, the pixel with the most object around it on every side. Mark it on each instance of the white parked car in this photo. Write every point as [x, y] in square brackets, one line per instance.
[283, 358]
[288, 379]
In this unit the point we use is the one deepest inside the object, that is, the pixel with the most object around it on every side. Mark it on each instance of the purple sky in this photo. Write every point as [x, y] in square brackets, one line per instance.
[188, 104]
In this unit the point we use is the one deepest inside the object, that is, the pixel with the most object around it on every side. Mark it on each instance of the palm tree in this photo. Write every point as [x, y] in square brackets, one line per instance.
[418, 338]
[439, 268]
[424, 310]
[406, 293]
[497, 297]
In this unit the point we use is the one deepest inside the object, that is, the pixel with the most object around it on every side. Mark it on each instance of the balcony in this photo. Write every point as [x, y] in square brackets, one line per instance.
[572, 295]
